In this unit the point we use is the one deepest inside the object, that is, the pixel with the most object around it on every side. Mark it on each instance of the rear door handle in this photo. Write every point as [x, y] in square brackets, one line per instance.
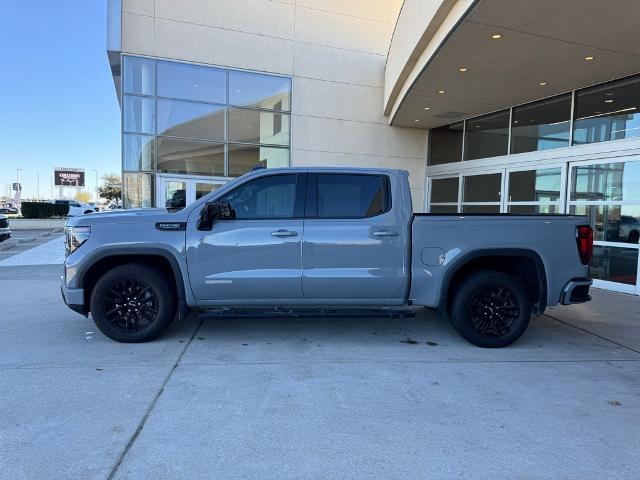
[385, 233]
[284, 233]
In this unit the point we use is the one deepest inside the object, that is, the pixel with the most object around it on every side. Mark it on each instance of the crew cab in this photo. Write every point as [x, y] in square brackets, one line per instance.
[318, 237]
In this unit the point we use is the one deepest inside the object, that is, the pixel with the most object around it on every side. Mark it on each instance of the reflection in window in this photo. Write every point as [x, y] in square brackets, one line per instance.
[193, 157]
[139, 76]
[541, 125]
[607, 112]
[254, 126]
[266, 197]
[189, 119]
[445, 144]
[175, 194]
[351, 196]
[443, 209]
[534, 209]
[203, 189]
[535, 185]
[612, 223]
[489, 209]
[487, 136]
[138, 152]
[192, 82]
[259, 91]
[138, 190]
[444, 190]
[614, 264]
[139, 114]
[606, 182]
[482, 188]
[242, 158]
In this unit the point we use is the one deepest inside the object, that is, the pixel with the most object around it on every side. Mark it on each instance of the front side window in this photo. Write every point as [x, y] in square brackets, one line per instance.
[265, 197]
[352, 196]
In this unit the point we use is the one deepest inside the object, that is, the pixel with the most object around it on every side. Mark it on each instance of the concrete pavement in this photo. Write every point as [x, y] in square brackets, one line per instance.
[314, 398]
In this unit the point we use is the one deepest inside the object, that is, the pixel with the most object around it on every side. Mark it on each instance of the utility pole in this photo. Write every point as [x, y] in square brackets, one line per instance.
[18, 189]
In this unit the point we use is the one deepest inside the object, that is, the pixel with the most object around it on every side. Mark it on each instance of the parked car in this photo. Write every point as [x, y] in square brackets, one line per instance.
[77, 208]
[5, 231]
[8, 211]
[629, 229]
[318, 237]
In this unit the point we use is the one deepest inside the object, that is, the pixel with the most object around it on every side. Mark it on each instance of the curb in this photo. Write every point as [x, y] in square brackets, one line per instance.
[27, 239]
[7, 244]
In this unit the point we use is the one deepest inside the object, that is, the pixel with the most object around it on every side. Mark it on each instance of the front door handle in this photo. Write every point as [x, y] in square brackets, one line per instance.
[385, 233]
[284, 233]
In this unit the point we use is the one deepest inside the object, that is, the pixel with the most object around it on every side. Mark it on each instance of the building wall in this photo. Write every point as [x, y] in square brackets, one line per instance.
[335, 51]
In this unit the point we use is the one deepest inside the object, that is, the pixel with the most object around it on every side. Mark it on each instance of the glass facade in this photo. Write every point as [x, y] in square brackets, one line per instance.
[186, 119]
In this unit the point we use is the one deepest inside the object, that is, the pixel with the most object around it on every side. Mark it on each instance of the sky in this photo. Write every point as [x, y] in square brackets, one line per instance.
[58, 105]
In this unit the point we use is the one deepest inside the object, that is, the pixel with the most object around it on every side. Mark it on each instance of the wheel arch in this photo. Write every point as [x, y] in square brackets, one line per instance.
[525, 264]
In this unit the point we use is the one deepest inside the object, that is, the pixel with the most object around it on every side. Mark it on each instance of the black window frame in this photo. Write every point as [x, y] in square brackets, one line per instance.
[311, 208]
[298, 203]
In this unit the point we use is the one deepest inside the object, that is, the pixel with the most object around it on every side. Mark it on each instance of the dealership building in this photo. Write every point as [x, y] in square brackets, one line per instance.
[493, 106]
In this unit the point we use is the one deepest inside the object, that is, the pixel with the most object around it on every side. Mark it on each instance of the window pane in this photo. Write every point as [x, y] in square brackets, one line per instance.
[535, 185]
[139, 76]
[138, 190]
[253, 126]
[138, 152]
[607, 181]
[350, 196]
[445, 144]
[264, 197]
[614, 264]
[203, 189]
[541, 125]
[482, 188]
[192, 82]
[175, 194]
[607, 112]
[188, 119]
[190, 157]
[443, 209]
[533, 209]
[259, 91]
[444, 190]
[242, 158]
[487, 136]
[481, 209]
[612, 223]
[139, 114]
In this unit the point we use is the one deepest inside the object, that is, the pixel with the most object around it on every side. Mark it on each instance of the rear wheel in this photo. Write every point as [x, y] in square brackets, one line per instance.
[133, 303]
[491, 309]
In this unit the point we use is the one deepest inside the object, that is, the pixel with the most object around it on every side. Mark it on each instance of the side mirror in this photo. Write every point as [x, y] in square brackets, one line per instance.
[213, 211]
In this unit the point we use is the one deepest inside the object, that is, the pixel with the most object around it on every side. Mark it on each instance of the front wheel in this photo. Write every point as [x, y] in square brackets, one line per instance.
[491, 309]
[133, 303]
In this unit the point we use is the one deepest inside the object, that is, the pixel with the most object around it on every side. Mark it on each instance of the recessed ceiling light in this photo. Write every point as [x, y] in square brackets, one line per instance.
[496, 36]
[440, 92]
[542, 84]
[610, 100]
[417, 120]
[463, 69]
[588, 58]
[477, 126]
[515, 121]
[426, 108]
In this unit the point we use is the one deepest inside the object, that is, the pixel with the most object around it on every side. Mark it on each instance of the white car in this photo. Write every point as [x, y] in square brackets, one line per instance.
[77, 208]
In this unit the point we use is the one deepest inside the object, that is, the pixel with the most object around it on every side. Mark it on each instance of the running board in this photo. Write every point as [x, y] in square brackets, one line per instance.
[302, 312]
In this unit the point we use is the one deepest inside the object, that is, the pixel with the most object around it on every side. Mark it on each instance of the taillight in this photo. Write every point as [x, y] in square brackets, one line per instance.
[584, 239]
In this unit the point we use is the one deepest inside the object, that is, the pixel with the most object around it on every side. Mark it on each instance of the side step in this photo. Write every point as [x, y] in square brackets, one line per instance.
[302, 312]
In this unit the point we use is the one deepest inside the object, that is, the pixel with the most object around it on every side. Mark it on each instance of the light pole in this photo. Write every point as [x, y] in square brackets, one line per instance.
[97, 187]
[18, 189]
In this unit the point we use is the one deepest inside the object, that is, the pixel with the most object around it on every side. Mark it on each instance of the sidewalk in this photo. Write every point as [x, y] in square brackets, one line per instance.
[36, 223]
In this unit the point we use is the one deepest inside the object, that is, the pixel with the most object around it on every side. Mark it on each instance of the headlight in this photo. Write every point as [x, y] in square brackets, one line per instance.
[75, 236]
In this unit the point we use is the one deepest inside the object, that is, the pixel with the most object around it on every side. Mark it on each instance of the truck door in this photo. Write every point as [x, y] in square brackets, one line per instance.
[354, 241]
[255, 258]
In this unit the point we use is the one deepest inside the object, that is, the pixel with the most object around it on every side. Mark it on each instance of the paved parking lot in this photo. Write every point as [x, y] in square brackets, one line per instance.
[314, 398]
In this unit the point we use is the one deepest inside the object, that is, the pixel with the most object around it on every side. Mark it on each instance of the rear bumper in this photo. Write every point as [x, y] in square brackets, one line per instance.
[576, 291]
[73, 298]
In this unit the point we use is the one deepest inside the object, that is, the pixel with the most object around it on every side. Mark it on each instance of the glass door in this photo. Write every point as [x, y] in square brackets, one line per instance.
[178, 192]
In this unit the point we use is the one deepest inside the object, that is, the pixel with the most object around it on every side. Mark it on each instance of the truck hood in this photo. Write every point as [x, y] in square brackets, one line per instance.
[133, 215]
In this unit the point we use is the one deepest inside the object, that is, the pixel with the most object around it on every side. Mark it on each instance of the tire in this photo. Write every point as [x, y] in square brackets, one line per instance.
[133, 303]
[491, 309]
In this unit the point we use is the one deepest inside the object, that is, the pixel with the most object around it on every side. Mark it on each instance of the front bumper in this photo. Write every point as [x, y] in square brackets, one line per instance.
[576, 291]
[73, 298]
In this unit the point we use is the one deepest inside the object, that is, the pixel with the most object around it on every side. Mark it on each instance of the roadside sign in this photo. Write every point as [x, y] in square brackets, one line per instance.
[68, 177]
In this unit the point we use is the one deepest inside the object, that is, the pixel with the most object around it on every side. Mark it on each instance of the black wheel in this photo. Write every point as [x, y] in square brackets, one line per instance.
[133, 303]
[491, 309]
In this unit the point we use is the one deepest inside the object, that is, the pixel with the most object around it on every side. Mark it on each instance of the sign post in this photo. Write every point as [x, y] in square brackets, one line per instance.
[68, 177]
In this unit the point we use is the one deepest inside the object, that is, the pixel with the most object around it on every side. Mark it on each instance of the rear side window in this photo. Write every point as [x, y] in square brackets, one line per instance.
[266, 197]
[352, 196]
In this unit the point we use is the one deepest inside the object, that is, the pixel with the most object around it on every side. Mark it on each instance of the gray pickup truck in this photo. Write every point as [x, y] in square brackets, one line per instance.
[318, 237]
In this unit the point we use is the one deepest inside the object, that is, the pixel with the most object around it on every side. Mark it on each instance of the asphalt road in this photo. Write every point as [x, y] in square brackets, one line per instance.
[314, 398]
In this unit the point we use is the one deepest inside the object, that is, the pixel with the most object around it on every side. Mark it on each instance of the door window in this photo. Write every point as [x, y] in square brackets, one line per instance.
[352, 196]
[266, 197]
[175, 194]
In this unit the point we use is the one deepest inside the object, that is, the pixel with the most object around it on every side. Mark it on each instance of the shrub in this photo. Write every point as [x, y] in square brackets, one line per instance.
[43, 210]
